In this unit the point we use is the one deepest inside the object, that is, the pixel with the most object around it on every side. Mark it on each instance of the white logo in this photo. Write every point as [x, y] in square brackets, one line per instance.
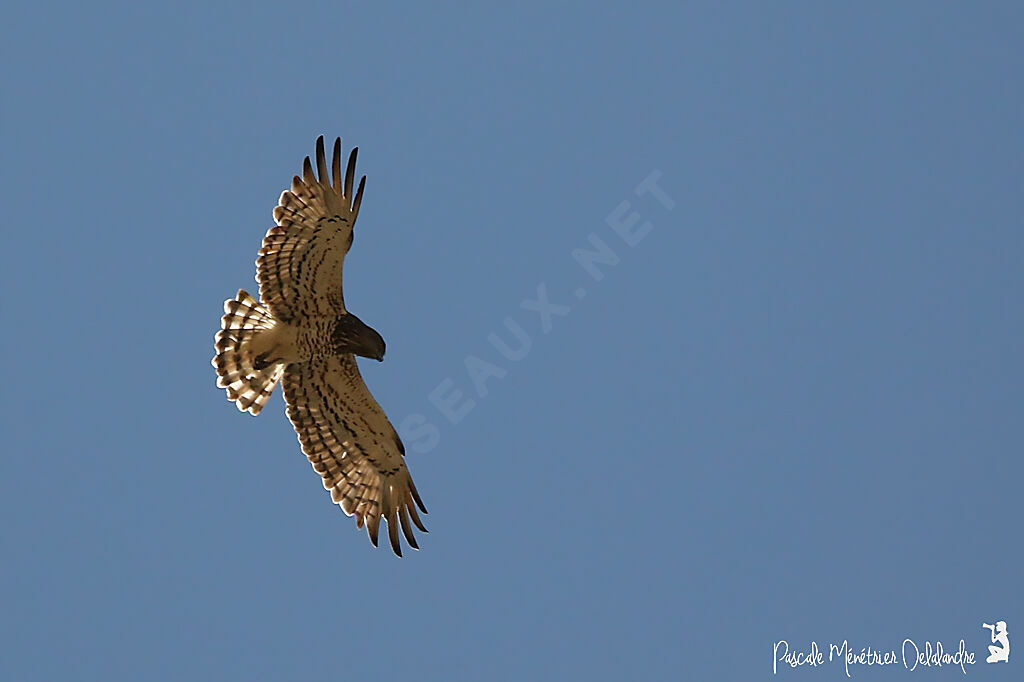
[1001, 653]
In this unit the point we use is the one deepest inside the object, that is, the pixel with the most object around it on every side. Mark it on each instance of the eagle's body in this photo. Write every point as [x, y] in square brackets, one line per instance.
[310, 338]
[303, 336]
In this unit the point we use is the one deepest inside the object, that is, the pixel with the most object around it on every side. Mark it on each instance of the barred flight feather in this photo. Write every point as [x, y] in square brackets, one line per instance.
[300, 264]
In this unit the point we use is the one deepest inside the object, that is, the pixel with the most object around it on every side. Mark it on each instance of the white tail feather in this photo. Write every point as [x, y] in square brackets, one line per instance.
[248, 387]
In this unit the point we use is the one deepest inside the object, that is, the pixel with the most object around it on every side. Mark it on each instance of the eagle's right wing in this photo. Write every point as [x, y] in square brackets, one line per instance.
[300, 265]
[352, 445]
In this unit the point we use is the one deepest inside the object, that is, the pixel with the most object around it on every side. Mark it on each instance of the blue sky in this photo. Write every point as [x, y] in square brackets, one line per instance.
[790, 410]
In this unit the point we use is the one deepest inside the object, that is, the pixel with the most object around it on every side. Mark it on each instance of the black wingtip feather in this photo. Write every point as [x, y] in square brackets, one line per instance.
[350, 172]
[407, 528]
[415, 516]
[359, 196]
[396, 545]
[321, 160]
[416, 496]
[336, 164]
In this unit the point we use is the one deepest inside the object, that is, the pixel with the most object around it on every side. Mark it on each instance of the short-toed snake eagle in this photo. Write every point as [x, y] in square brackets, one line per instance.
[303, 336]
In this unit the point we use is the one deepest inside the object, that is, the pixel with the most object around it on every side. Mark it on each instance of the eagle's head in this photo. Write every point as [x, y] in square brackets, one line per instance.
[352, 335]
[373, 344]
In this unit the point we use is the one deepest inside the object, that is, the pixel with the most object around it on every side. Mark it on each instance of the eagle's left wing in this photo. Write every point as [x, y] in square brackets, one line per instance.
[352, 445]
[299, 267]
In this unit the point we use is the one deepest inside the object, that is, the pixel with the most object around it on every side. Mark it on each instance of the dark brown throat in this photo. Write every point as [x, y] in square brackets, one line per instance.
[351, 335]
[347, 334]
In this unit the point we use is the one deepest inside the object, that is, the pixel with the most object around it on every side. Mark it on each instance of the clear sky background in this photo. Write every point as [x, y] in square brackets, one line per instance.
[791, 410]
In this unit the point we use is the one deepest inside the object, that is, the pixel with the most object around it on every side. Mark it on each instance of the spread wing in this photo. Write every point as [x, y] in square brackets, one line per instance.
[352, 445]
[299, 266]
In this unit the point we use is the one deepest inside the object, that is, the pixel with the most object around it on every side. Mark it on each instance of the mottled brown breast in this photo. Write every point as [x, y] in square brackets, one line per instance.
[315, 338]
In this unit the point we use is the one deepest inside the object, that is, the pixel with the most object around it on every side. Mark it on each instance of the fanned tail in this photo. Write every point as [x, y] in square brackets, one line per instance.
[248, 387]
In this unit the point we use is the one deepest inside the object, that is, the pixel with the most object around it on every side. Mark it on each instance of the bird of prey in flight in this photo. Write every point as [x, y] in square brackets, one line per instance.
[301, 334]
